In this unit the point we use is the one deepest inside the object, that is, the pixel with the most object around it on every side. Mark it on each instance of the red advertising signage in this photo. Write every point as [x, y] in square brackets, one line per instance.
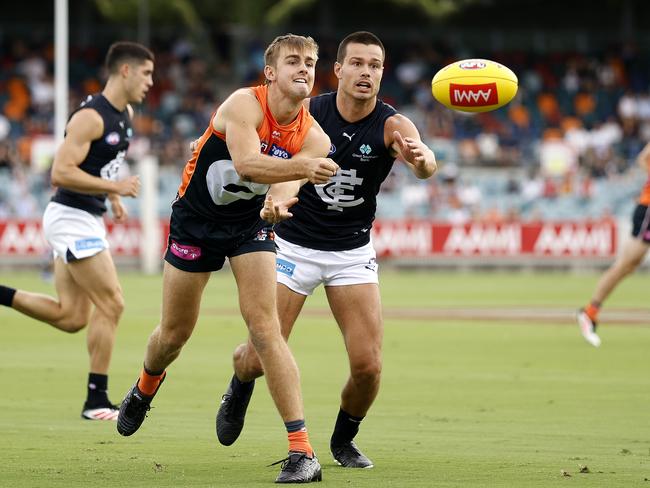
[421, 238]
[24, 238]
[399, 238]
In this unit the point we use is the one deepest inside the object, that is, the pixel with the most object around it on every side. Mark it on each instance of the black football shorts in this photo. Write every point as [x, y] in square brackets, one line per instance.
[196, 244]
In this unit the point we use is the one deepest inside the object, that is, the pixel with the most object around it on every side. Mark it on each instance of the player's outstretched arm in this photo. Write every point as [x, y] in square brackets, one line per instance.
[239, 116]
[83, 128]
[282, 196]
[403, 138]
[314, 150]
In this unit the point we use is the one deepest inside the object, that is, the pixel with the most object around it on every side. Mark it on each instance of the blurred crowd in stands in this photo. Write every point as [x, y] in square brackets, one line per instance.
[563, 149]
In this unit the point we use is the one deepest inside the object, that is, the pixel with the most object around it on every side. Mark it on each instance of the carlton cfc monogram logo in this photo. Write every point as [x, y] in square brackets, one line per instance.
[473, 95]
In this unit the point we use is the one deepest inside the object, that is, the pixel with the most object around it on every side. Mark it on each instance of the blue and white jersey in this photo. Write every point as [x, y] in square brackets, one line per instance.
[338, 215]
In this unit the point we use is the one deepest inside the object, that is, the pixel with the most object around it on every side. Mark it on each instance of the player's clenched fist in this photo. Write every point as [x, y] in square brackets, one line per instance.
[128, 187]
[320, 170]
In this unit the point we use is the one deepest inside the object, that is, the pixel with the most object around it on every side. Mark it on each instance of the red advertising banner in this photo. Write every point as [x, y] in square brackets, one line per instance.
[421, 238]
[24, 238]
[399, 238]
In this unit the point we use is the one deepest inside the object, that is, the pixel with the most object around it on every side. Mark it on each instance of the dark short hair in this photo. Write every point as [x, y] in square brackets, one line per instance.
[124, 52]
[359, 37]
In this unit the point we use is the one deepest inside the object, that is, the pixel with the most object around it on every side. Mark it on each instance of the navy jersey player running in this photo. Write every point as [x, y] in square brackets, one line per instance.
[85, 170]
[257, 137]
[327, 240]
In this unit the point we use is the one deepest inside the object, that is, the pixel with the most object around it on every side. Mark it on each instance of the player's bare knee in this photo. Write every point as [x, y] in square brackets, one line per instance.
[175, 339]
[72, 323]
[366, 372]
[628, 266]
[262, 327]
[112, 305]
[117, 303]
[259, 319]
[635, 263]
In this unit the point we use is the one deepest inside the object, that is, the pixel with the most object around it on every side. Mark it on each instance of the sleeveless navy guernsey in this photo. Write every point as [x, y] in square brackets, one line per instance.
[338, 216]
[105, 155]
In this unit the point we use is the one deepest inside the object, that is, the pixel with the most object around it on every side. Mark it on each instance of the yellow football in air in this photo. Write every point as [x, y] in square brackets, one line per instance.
[474, 85]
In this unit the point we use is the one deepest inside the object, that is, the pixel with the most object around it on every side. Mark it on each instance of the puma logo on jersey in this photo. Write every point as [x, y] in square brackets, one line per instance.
[345, 134]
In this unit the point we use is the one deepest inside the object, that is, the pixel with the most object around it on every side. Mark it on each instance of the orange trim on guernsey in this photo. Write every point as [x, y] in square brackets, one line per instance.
[188, 171]
[644, 198]
[289, 137]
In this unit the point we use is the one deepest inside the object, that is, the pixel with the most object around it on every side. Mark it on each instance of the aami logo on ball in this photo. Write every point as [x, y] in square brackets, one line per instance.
[473, 95]
[472, 64]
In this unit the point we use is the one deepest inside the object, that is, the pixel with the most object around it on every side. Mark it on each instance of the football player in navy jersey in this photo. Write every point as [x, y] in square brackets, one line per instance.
[85, 172]
[327, 237]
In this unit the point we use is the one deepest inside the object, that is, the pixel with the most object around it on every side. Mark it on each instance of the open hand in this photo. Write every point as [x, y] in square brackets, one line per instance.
[277, 212]
[118, 210]
[411, 150]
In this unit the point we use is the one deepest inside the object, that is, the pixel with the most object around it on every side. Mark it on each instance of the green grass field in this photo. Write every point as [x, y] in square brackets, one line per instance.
[464, 403]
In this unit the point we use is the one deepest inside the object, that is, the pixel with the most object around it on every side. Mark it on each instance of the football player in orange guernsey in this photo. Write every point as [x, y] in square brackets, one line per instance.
[628, 260]
[257, 137]
[327, 239]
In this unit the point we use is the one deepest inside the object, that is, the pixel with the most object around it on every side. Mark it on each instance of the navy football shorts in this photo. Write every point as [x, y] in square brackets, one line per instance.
[641, 223]
[196, 244]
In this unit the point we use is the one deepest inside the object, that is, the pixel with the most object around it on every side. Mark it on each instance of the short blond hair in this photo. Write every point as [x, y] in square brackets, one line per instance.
[301, 44]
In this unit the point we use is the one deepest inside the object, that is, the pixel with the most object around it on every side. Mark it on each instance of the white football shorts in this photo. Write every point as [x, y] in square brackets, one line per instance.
[302, 269]
[73, 233]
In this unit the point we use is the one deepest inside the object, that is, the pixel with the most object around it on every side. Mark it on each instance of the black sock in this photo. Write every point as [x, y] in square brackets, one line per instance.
[345, 429]
[97, 390]
[7, 295]
[244, 386]
[152, 373]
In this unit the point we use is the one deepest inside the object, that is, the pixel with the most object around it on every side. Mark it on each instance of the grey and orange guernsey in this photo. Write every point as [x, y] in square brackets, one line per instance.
[105, 155]
[216, 213]
[338, 215]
